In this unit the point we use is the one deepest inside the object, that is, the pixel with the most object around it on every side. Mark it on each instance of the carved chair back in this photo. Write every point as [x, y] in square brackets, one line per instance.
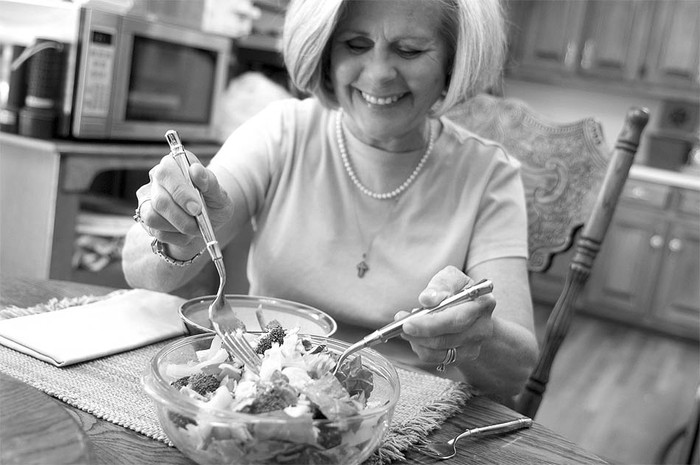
[572, 185]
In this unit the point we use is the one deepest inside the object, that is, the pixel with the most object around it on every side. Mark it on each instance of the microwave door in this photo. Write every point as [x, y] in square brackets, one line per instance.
[172, 79]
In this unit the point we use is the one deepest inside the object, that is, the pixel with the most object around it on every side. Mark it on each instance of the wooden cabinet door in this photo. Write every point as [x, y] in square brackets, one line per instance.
[614, 38]
[552, 32]
[673, 57]
[678, 281]
[623, 276]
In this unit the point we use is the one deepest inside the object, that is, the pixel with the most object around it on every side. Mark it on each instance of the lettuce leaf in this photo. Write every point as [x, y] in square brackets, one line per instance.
[357, 380]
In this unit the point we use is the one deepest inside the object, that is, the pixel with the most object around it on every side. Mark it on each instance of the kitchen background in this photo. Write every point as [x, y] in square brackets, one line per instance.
[625, 379]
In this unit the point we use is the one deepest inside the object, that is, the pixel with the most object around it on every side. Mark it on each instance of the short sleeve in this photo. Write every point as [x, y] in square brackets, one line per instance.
[252, 156]
[501, 225]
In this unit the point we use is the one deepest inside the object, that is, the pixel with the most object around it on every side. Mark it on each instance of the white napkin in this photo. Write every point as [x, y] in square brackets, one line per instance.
[126, 321]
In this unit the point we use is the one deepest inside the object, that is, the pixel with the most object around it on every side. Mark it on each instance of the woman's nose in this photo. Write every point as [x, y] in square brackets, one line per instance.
[379, 68]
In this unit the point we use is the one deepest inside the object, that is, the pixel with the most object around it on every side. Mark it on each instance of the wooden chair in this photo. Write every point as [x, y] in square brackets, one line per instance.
[572, 181]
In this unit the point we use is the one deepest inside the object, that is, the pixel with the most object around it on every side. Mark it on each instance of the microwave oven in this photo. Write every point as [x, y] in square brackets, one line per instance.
[134, 79]
[86, 72]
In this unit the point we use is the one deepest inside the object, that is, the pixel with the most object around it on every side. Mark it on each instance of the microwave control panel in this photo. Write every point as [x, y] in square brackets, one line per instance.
[97, 64]
[99, 68]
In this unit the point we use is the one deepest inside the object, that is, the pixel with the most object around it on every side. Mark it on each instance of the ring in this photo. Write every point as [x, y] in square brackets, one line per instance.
[450, 357]
[138, 219]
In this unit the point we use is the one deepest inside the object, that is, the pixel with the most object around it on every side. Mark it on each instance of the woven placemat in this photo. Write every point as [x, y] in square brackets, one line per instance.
[110, 388]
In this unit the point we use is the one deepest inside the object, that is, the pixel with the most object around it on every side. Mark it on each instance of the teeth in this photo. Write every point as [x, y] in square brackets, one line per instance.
[379, 100]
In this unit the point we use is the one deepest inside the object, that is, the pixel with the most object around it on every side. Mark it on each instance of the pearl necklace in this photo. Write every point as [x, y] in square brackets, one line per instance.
[353, 177]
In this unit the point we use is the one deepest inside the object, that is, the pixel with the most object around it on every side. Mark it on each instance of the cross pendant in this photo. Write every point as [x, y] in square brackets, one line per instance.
[362, 268]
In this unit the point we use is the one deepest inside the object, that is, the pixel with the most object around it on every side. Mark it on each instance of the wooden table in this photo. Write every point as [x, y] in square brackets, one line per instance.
[109, 443]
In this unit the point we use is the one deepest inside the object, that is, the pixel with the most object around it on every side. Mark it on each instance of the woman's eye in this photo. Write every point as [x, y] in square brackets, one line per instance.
[408, 52]
[358, 45]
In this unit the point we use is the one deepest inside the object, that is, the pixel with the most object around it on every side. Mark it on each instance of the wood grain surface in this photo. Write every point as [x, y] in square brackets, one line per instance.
[35, 428]
[110, 443]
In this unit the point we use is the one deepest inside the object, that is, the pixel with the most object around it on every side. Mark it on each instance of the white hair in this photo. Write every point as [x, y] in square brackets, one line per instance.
[474, 31]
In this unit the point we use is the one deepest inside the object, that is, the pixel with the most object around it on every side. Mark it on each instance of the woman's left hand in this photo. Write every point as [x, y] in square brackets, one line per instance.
[464, 327]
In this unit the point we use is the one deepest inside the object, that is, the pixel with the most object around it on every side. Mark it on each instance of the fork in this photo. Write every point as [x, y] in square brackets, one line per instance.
[233, 336]
[394, 328]
[447, 450]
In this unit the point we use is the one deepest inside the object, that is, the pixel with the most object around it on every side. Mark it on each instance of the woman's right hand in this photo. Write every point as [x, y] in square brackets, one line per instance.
[168, 204]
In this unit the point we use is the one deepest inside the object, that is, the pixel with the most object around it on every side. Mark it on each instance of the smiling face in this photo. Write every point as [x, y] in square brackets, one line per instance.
[388, 65]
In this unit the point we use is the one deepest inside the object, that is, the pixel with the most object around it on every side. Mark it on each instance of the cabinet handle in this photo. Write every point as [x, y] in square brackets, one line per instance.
[675, 245]
[638, 192]
[570, 56]
[587, 55]
[656, 241]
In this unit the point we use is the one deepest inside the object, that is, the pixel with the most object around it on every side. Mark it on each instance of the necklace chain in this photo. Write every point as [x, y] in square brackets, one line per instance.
[353, 176]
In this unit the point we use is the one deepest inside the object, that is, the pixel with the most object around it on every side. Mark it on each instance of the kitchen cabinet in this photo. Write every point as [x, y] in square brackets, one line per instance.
[673, 56]
[547, 33]
[613, 37]
[648, 270]
[677, 299]
[639, 45]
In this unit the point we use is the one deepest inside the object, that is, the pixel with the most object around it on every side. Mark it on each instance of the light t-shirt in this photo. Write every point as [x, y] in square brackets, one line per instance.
[312, 225]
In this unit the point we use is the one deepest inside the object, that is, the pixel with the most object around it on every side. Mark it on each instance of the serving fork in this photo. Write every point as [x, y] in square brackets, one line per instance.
[448, 449]
[232, 333]
[394, 328]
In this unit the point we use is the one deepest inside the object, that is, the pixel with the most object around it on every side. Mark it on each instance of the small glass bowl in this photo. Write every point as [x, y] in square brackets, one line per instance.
[221, 436]
[195, 314]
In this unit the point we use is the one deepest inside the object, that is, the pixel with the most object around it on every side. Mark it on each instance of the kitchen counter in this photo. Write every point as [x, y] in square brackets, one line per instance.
[42, 183]
[685, 180]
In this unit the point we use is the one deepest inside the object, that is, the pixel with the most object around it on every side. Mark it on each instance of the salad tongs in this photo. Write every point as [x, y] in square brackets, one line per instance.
[394, 328]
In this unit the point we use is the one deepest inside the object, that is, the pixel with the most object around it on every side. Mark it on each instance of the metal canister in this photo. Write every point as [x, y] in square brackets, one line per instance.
[13, 86]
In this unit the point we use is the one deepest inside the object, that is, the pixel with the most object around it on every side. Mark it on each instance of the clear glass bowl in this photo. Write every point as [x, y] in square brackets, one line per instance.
[248, 309]
[239, 438]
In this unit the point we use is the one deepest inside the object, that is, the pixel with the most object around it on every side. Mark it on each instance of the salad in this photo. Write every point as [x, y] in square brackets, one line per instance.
[298, 410]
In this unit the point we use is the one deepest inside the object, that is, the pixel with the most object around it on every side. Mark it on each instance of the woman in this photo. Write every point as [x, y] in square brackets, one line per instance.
[364, 202]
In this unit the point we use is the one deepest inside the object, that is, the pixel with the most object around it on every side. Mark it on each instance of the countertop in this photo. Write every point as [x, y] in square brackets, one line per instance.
[685, 180]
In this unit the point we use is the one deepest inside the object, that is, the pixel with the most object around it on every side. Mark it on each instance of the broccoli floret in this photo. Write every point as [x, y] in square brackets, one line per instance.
[203, 384]
[274, 333]
[329, 437]
[275, 396]
[180, 383]
[272, 399]
[181, 421]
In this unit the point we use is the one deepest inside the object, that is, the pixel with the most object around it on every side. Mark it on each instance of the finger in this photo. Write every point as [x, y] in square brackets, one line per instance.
[429, 355]
[143, 193]
[429, 351]
[436, 356]
[162, 213]
[441, 342]
[149, 218]
[168, 215]
[453, 320]
[445, 283]
[207, 183]
[171, 178]
[175, 238]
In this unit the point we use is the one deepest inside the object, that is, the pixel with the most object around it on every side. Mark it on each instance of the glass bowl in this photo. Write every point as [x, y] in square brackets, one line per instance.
[208, 435]
[249, 309]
